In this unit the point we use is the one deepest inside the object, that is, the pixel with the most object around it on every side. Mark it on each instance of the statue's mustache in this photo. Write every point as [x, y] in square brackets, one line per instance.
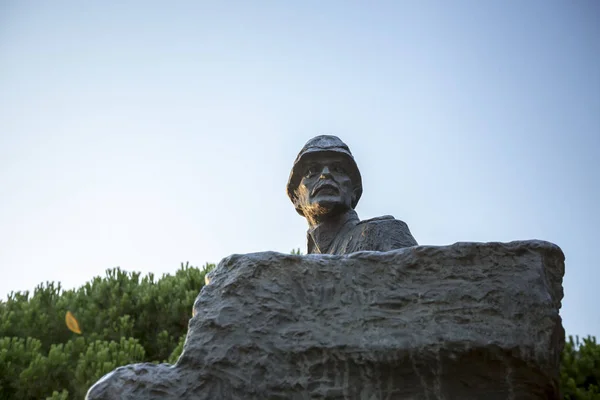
[324, 184]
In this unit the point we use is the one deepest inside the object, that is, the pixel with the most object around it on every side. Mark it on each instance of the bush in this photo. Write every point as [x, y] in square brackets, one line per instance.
[124, 319]
[580, 369]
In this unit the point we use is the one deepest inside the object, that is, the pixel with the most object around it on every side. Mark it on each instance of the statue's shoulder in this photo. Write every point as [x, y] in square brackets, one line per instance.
[385, 219]
[393, 232]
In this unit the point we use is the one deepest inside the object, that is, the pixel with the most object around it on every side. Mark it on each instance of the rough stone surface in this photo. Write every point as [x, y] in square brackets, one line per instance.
[466, 321]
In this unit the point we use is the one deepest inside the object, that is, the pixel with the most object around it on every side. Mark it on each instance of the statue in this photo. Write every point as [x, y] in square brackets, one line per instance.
[464, 321]
[325, 186]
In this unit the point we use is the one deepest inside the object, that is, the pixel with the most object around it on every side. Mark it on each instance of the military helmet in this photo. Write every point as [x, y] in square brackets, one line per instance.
[323, 143]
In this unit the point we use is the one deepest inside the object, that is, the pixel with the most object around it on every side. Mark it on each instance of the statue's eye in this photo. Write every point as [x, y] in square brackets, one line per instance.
[338, 168]
[309, 172]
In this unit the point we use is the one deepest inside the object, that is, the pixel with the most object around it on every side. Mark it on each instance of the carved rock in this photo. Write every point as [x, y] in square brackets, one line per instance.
[466, 321]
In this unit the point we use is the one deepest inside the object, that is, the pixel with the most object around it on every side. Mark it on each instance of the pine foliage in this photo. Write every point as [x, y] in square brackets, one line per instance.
[580, 369]
[123, 317]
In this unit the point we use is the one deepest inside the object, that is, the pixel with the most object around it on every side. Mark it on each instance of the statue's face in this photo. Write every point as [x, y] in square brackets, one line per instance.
[326, 188]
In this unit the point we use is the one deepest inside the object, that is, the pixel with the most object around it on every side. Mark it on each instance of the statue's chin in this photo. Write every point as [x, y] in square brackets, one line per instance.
[328, 208]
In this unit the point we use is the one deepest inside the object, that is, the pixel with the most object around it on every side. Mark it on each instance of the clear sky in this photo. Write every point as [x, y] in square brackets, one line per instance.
[141, 134]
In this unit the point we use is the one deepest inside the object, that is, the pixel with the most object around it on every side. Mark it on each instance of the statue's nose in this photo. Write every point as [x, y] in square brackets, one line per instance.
[325, 172]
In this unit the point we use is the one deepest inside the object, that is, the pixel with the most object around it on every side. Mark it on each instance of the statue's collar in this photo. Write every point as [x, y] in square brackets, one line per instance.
[321, 236]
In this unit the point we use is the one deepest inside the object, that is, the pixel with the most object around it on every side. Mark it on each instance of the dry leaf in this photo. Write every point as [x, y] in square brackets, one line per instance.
[72, 323]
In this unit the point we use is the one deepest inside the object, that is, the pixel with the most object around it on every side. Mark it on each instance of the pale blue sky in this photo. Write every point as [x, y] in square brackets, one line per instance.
[141, 134]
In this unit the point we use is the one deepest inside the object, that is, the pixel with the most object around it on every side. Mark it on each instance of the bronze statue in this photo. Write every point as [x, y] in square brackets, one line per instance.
[325, 186]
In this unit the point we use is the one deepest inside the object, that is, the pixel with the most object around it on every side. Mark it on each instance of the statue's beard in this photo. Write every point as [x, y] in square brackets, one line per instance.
[317, 212]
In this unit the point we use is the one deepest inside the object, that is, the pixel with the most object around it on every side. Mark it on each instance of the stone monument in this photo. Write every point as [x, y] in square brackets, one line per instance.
[367, 314]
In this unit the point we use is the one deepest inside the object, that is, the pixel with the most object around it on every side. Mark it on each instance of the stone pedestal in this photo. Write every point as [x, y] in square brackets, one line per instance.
[466, 321]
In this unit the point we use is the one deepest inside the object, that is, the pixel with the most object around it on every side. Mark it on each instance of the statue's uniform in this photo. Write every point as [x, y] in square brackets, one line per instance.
[377, 234]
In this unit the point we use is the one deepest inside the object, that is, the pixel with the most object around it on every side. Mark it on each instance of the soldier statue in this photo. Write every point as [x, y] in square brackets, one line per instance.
[325, 186]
